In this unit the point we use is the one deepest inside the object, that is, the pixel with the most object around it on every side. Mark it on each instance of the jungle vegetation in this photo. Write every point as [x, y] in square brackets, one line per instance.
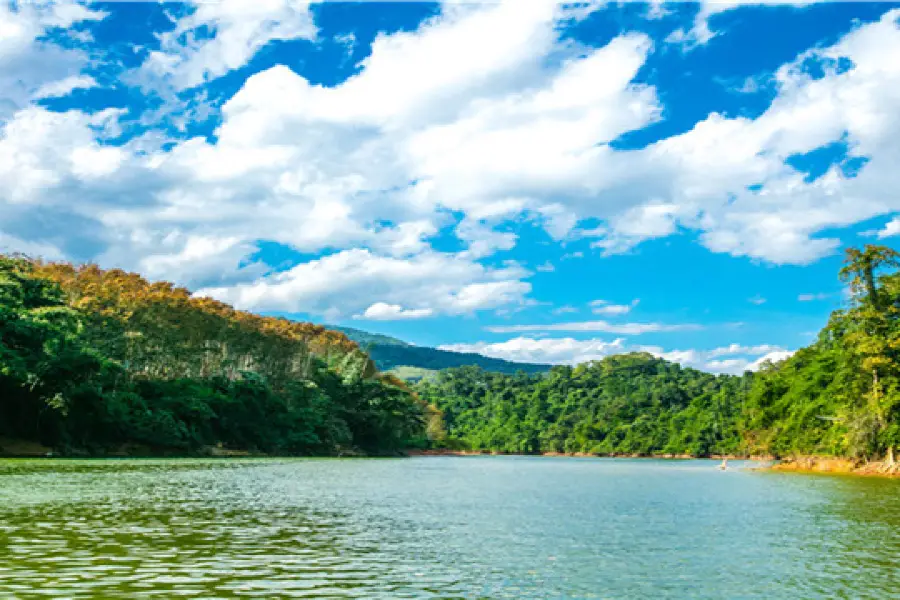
[838, 397]
[92, 361]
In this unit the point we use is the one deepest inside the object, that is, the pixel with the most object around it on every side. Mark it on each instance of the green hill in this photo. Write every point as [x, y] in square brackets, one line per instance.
[97, 362]
[390, 354]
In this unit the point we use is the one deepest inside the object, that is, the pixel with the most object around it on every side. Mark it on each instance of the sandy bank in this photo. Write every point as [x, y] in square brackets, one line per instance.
[837, 466]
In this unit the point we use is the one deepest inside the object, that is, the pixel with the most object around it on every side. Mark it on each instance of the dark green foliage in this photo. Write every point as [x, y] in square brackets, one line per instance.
[56, 387]
[390, 353]
[839, 397]
[627, 404]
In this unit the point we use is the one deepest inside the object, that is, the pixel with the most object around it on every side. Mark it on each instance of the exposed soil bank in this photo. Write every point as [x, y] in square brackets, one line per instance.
[446, 452]
[22, 448]
[19, 448]
[837, 466]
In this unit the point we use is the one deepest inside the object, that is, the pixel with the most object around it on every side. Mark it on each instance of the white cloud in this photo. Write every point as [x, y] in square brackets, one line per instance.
[28, 60]
[12, 245]
[890, 229]
[572, 351]
[564, 310]
[603, 307]
[381, 311]
[481, 113]
[603, 326]
[342, 284]
[701, 33]
[240, 28]
[757, 300]
[64, 87]
[548, 350]
[771, 357]
[737, 358]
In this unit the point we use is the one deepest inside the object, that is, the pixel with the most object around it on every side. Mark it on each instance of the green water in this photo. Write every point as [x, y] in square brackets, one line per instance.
[442, 527]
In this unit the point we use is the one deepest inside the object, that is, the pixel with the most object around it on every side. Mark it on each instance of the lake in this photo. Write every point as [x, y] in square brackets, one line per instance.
[442, 527]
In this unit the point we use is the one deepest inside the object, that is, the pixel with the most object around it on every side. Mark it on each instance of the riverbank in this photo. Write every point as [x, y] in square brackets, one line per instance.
[837, 466]
[446, 452]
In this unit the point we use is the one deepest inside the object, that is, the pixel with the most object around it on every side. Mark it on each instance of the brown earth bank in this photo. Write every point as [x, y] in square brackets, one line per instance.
[446, 452]
[837, 466]
[22, 448]
[19, 448]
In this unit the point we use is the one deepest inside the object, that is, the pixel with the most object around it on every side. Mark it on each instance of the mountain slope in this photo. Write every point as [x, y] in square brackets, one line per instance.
[95, 361]
[390, 353]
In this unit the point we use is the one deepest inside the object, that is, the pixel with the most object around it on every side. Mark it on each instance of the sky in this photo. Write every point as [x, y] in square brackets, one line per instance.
[526, 179]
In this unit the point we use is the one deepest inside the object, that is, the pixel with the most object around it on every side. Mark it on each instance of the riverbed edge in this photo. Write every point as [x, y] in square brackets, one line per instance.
[821, 465]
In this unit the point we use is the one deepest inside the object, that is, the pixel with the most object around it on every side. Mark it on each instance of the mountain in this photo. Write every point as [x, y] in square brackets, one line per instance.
[99, 361]
[414, 362]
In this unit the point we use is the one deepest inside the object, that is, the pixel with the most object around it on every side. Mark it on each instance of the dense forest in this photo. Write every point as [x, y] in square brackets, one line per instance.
[625, 404]
[391, 354]
[95, 361]
[838, 397]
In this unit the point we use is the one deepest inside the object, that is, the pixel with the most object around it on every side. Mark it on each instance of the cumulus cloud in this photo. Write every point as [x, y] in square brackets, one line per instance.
[342, 283]
[238, 29]
[548, 350]
[734, 358]
[480, 117]
[890, 229]
[64, 87]
[381, 311]
[32, 63]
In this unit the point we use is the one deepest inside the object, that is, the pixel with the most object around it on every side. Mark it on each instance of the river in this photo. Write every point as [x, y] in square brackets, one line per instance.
[442, 527]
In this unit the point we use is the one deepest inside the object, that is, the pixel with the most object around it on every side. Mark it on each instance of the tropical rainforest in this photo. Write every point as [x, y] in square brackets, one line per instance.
[94, 361]
[838, 397]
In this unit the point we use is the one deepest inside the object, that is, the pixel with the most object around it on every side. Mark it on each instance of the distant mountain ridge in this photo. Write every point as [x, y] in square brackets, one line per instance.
[390, 353]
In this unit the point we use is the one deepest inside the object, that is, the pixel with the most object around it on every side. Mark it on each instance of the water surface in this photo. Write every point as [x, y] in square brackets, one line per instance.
[442, 527]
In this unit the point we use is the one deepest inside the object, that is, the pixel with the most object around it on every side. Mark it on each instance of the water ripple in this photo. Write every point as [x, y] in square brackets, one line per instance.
[440, 528]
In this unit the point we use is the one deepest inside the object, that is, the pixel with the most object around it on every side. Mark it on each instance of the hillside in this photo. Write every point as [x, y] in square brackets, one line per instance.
[390, 354]
[95, 361]
[839, 397]
[625, 404]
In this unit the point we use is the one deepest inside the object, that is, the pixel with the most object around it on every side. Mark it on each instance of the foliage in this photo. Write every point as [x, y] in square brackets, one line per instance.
[93, 360]
[626, 404]
[840, 396]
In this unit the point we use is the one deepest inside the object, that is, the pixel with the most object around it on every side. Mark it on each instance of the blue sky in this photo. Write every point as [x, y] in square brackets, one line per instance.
[530, 180]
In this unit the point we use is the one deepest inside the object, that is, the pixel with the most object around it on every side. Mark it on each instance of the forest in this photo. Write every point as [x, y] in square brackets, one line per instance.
[95, 362]
[838, 397]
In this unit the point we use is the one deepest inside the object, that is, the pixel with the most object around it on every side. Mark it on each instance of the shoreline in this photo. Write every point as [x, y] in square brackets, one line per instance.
[812, 465]
[815, 465]
[446, 452]
[826, 465]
